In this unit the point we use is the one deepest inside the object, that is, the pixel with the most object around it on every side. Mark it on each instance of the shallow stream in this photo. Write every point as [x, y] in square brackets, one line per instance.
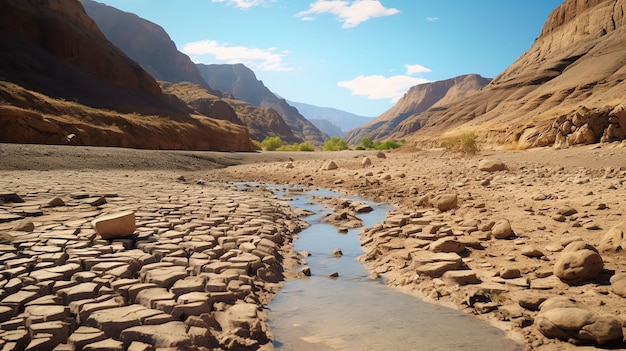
[353, 312]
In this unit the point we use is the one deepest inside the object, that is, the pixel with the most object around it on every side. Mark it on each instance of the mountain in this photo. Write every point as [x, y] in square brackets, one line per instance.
[63, 82]
[260, 121]
[344, 120]
[241, 82]
[418, 99]
[145, 42]
[327, 127]
[568, 88]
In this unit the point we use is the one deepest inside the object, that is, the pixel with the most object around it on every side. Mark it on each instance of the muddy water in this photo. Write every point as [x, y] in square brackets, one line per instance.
[355, 313]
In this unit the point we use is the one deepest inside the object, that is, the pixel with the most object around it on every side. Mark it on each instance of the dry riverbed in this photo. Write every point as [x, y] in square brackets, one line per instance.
[525, 244]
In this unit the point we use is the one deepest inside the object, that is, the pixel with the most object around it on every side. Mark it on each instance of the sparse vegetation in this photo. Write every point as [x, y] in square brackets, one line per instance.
[464, 143]
[334, 144]
[276, 144]
[368, 144]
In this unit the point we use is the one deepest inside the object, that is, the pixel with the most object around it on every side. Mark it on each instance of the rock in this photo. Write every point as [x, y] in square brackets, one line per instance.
[445, 202]
[603, 330]
[304, 272]
[171, 334]
[566, 211]
[461, 277]
[329, 166]
[489, 165]
[502, 229]
[447, 244]
[337, 252]
[24, 225]
[289, 165]
[578, 263]
[510, 273]
[618, 284]
[84, 336]
[56, 202]
[563, 323]
[530, 301]
[366, 162]
[531, 251]
[115, 225]
[10, 197]
[614, 239]
[380, 154]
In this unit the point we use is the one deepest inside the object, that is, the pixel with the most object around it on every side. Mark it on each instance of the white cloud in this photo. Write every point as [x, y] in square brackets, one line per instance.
[351, 14]
[244, 4]
[413, 69]
[432, 19]
[379, 87]
[210, 51]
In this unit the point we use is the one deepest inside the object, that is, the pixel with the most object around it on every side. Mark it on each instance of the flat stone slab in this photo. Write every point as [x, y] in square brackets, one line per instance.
[115, 225]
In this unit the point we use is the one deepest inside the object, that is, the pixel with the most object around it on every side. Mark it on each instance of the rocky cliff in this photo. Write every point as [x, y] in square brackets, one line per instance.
[568, 88]
[63, 82]
[53, 47]
[417, 100]
[241, 82]
[261, 122]
[145, 42]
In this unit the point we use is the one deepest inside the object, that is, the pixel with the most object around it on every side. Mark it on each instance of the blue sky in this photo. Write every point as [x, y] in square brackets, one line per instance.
[360, 56]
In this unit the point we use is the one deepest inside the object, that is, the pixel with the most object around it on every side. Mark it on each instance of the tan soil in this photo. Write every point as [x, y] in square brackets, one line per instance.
[591, 179]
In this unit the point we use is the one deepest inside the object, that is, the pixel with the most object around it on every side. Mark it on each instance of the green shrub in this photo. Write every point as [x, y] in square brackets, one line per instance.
[305, 146]
[368, 144]
[334, 144]
[271, 143]
[464, 143]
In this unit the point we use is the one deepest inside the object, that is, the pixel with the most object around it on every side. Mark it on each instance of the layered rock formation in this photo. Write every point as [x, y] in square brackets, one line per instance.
[568, 88]
[417, 100]
[241, 82]
[260, 121]
[63, 82]
[149, 44]
[56, 49]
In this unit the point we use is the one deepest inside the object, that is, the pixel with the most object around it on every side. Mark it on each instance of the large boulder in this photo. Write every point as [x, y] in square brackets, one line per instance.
[578, 262]
[502, 229]
[115, 225]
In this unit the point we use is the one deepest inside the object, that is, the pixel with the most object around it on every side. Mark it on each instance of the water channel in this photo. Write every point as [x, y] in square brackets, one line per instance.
[353, 312]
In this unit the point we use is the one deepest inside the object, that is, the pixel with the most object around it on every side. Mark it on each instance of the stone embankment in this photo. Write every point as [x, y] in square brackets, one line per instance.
[531, 241]
[138, 261]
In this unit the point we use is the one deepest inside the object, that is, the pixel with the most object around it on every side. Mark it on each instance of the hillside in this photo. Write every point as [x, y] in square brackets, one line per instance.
[568, 88]
[145, 42]
[241, 82]
[260, 121]
[63, 82]
[418, 99]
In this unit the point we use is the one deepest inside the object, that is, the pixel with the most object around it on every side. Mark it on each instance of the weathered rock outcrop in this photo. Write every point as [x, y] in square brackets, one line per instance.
[241, 82]
[417, 100]
[568, 88]
[261, 121]
[145, 42]
[57, 49]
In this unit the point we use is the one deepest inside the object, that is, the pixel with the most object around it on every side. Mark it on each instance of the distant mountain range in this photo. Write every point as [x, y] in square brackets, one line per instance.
[337, 121]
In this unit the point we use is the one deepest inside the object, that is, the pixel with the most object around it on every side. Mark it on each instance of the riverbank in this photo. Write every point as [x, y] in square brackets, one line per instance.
[549, 197]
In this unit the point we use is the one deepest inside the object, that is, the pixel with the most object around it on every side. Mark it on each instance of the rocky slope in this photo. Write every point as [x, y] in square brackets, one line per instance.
[242, 83]
[260, 121]
[149, 44]
[568, 88]
[417, 100]
[65, 83]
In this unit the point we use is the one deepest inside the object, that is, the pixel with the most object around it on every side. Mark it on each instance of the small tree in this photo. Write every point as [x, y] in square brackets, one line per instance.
[334, 144]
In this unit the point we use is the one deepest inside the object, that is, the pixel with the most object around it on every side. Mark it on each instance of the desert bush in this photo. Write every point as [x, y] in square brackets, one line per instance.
[464, 143]
[367, 144]
[257, 145]
[334, 144]
[305, 146]
[271, 143]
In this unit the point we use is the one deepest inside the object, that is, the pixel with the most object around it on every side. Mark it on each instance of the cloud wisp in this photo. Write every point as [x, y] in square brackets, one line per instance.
[210, 51]
[351, 14]
[377, 87]
[244, 4]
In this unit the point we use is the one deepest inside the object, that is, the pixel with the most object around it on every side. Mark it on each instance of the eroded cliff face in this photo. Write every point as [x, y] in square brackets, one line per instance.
[145, 42]
[63, 82]
[417, 100]
[567, 89]
[54, 47]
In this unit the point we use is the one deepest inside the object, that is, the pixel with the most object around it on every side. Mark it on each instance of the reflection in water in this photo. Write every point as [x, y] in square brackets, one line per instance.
[355, 313]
